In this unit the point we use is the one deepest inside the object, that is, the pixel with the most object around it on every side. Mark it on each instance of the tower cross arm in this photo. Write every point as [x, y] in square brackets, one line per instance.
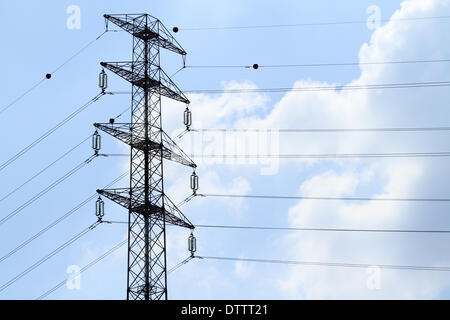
[134, 73]
[147, 28]
[169, 213]
[170, 150]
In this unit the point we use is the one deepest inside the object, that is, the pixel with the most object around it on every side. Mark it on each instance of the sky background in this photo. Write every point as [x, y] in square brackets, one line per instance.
[37, 40]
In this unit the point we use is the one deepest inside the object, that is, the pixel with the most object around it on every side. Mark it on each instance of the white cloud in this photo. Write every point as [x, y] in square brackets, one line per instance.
[243, 269]
[389, 178]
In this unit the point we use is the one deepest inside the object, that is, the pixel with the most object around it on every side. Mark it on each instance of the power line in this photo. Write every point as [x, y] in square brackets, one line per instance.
[37, 84]
[327, 155]
[331, 264]
[44, 230]
[215, 66]
[49, 132]
[308, 65]
[86, 267]
[47, 189]
[312, 130]
[338, 64]
[308, 24]
[176, 72]
[48, 256]
[311, 156]
[121, 113]
[175, 267]
[212, 226]
[320, 229]
[405, 85]
[44, 169]
[49, 75]
[78, 52]
[116, 155]
[59, 220]
[280, 197]
[95, 261]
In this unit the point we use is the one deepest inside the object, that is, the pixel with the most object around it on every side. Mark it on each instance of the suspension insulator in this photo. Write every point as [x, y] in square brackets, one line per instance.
[187, 118]
[192, 244]
[99, 208]
[194, 182]
[96, 141]
[103, 80]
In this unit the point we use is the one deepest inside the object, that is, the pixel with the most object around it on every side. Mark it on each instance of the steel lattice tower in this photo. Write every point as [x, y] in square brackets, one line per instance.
[148, 206]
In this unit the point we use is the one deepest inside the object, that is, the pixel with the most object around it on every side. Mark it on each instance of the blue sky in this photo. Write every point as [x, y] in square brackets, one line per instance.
[38, 40]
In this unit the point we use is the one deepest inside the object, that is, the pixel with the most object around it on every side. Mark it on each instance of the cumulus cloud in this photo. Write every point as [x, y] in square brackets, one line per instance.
[386, 178]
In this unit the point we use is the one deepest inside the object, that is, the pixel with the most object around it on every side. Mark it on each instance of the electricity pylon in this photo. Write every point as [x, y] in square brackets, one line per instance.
[149, 208]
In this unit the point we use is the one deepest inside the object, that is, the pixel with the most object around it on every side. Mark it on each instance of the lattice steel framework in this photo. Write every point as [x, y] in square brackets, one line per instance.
[149, 208]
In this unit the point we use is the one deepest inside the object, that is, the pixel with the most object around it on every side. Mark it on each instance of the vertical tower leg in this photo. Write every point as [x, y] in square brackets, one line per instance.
[147, 263]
